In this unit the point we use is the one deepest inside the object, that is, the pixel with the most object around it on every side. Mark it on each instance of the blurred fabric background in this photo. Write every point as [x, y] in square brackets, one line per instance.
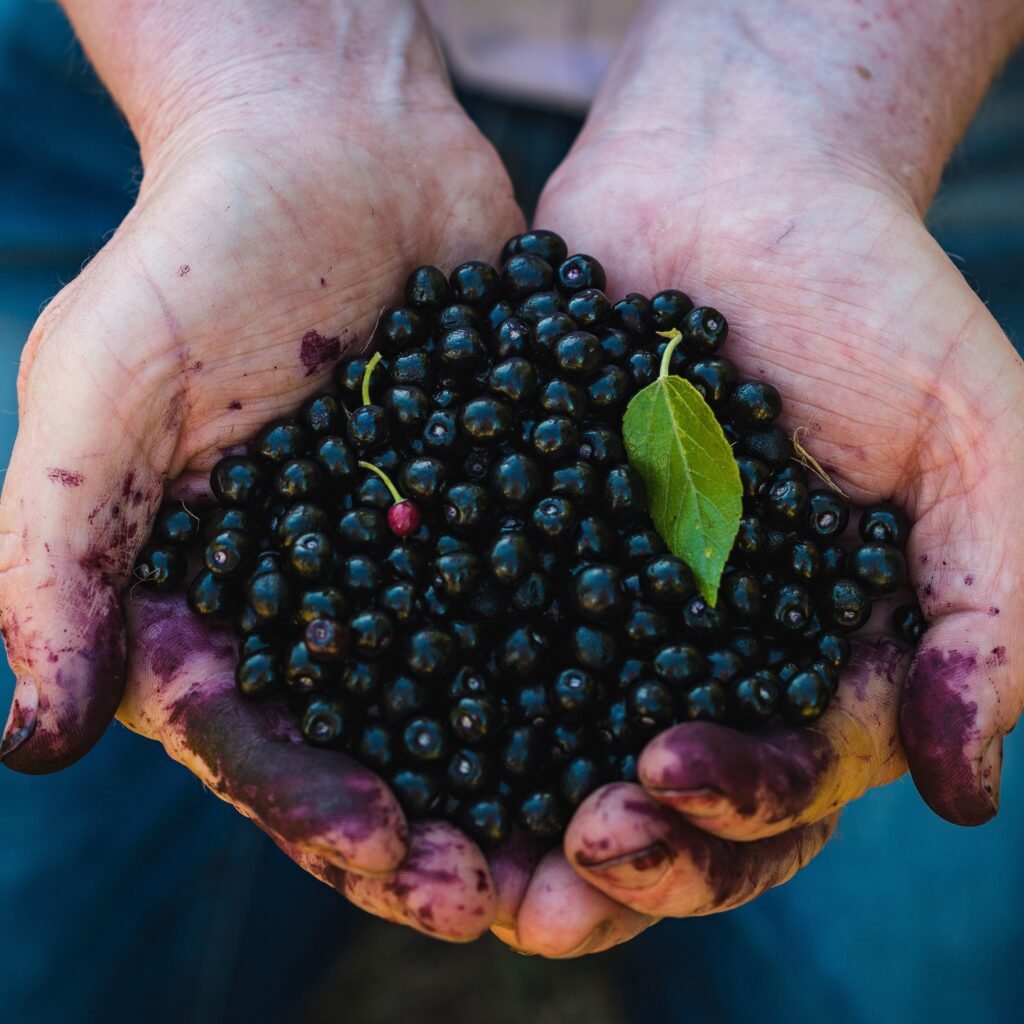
[128, 893]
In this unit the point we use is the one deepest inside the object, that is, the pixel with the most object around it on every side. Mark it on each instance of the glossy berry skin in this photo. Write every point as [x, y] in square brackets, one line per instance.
[579, 272]
[284, 440]
[425, 740]
[429, 652]
[790, 607]
[645, 627]
[371, 633]
[909, 622]
[756, 697]
[885, 524]
[754, 403]
[336, 459]
[588, 307]
[326, 640]
[525, 273]
[368, 428]
[511, 557]
[785, 503]
[211, 595]
[400, 329]
[486, 820]
[669, 308]
[554, 439]
[879, 568]
[624, 493]
[474, 283]
[426, 288]
[769, 444]
[485, 420]
[847, 604]
[421, 479]
[548, 245]
[237, 480]
[594, 649]
[704, 331]
[465, 507]
[161, 567]
[668, 580]
[714, 377]
[327, 723]
[514, 380]
[553, 518]
[597, 592]
[175, 524]
[541, 813]
[376, 747]
[827, 514]
[576, 481]
[562, 398]
[578, 354]
[259, 675]
[706, 702]
[805, 697]
[651, 704]
[462, 352]
[403, 518]
[407, 406]
[418, 792]
[580, 777]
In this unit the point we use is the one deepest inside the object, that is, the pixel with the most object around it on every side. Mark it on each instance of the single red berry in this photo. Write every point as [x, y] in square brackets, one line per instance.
[403, 518]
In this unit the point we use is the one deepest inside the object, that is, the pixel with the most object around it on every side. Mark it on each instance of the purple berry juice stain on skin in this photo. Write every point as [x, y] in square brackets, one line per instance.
[65, 477]
[938, 723]
[317, 352]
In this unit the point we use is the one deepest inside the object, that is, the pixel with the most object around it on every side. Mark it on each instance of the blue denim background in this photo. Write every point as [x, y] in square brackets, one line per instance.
[128, 893]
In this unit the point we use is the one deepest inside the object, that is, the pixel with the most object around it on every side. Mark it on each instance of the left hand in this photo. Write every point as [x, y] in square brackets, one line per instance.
[815, 249]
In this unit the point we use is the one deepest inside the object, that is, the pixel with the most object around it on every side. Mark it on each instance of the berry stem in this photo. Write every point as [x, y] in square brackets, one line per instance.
[675, 337]
[367, 374]
[380, 472]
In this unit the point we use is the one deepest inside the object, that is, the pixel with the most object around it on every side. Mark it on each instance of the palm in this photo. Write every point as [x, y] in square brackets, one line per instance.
[837, 295]
[250, 263]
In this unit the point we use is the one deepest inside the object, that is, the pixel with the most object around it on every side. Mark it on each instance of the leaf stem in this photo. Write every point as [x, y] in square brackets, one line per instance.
[380, 472]
[367, 374]
[675, 337]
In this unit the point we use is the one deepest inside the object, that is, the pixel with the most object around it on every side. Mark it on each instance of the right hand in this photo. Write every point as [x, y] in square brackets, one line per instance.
[270, 230]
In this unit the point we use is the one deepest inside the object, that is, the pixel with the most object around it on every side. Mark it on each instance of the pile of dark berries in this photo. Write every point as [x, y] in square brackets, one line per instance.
[446, 564]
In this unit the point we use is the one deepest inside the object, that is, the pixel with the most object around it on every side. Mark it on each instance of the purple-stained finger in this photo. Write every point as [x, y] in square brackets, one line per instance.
[512, 863]
[181, 692]
[645, 856]
[563, 916]
[962, 694]
[747, 786]
[443, 887]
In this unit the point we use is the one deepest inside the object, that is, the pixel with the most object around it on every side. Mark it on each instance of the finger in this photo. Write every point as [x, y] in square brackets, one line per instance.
[512, 864]
[959, 699]
[747, 786]
[77, 499]
[563, 916]
[645, 856]
[964, 690]
[181, 692]
[442, 888]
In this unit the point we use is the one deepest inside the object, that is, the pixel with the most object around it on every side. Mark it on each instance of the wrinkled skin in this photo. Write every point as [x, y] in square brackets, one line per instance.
[908, 390]
[248, 268]
[262, 248]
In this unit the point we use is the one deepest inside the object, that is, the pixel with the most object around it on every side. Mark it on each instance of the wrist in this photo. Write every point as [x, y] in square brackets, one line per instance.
[194, 67]
[879, 89]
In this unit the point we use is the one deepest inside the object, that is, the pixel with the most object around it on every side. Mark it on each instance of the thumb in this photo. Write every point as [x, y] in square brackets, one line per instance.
[79, 494]
[965, 687]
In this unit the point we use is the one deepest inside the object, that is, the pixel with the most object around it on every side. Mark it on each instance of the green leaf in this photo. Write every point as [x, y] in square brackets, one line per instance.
[693, 483]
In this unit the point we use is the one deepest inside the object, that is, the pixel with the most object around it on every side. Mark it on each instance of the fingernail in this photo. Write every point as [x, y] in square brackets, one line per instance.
[703, 802]
[990, 773]
[21, 722]
[639, 869]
